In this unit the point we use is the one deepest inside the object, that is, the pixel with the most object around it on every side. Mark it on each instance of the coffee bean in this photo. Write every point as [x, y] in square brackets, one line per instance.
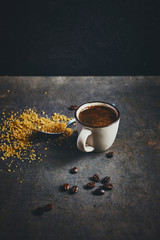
[99, 191]
[48, 207]
[110, 154]
[73, 107]
[96, 178]
[106, 179]
[74, 170]
[107, 186]
[66, 186]
[41, 210]
[90, 185]
[74, 189]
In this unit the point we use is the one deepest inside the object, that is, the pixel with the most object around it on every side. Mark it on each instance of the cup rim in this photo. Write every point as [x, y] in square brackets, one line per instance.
[97, 102]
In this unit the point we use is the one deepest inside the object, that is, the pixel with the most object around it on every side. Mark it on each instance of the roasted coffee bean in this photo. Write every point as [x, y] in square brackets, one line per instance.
[110, 154]
[96, 178]
[48, 207]
[74, 189]
[106, 179]
[73, 107]
[66, 186]
[107, 186]
[74, 170]
[90, 185]
[99, 191]
[41, 210]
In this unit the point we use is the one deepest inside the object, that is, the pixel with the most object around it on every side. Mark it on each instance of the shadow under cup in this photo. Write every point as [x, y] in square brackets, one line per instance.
[99, 138]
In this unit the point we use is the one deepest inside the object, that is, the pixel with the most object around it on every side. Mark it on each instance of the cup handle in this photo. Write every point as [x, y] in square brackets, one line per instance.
[82, 139]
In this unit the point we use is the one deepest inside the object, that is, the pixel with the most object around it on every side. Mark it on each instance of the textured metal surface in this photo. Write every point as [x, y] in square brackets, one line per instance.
[131, 210]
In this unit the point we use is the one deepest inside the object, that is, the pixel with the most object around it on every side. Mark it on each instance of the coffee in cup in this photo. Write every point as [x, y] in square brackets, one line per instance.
[97, 125]
[97, 116]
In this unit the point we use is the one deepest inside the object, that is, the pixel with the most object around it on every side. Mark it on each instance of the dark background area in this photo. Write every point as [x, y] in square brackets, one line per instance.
[61, 37]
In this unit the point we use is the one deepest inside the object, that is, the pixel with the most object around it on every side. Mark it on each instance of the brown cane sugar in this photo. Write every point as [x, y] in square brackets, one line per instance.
[17, 129]
[52, 127]
[57, 124]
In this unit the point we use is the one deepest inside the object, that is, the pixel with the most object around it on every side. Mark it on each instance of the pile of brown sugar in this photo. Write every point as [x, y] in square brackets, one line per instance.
[57, 124]
[17, 129]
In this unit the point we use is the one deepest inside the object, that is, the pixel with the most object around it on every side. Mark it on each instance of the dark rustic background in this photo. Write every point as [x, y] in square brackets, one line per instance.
[59, 37]
[131, 210]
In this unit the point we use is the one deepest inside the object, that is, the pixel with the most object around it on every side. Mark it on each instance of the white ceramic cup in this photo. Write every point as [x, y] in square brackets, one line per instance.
[97, 139]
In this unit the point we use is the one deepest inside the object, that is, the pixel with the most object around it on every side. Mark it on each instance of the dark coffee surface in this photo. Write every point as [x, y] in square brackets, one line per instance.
[97, 116]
